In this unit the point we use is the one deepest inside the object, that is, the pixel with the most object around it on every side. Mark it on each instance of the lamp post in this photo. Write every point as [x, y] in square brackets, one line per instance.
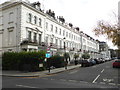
[65, 58]
[48, 55]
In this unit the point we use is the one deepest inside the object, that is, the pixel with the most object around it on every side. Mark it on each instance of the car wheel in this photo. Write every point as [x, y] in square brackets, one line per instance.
[81, 65]
[84, 65]
[113, 66]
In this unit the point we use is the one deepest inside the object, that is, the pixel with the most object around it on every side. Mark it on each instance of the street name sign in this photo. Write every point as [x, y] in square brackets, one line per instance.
[48, 55]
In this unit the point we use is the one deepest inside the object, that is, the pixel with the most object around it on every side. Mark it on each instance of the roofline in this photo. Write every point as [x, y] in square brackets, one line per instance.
[12, 4]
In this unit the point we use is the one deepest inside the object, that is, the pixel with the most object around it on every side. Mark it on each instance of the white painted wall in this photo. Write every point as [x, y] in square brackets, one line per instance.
[10, 25]
[20, 26]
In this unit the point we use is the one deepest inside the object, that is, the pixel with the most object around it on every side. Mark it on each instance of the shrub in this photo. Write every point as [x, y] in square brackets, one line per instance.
[76, 56]
[24, 61]
[56, 61]
[86, 56]
[67, 56]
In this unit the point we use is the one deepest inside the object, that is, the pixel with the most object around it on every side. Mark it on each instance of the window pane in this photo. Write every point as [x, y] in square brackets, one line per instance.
[30, 18]
[11, 17]
[56, 42]
[40, 21]
[60, 31]
[35, 20]
[46, 26]
[35, 37]
[63, 32]
[51, 27]
[10, 35]
[29, 35]
[39, 38]
[51, 40]
[56, 29]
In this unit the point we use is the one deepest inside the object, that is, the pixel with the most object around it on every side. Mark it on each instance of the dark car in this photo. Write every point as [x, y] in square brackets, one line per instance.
[97, 61]
[92, 61]
[101, 60]
[116, 64]
[85, 63]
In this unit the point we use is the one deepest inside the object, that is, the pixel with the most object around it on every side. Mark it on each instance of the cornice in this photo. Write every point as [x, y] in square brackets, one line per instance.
[13, 4]
[34, 9]
[55, 21]
[10, 5]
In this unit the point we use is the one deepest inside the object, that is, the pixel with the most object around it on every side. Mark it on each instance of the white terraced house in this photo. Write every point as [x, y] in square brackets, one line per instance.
[119, 14]
[24, 26]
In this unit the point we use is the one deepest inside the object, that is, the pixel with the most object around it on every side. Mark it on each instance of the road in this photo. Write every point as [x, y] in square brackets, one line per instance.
[97, 76]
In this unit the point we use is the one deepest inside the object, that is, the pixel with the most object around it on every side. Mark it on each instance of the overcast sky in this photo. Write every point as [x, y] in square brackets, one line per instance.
[83, 13]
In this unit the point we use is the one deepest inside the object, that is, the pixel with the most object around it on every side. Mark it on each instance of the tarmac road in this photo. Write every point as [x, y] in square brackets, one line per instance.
[101, 76]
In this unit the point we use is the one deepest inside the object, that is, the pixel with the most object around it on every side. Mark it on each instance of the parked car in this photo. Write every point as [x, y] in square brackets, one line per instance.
[114, 58]
[101, 60]
[107, 59]
[76, 62]
[92, 61]
[116, 64]
[97, 61]
[80, 61]
[85, 63]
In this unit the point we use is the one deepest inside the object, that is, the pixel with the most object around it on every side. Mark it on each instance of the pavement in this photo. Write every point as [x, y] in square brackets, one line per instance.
[38, 73]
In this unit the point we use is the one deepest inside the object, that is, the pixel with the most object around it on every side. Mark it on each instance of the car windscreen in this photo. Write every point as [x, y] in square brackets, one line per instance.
[117, 61]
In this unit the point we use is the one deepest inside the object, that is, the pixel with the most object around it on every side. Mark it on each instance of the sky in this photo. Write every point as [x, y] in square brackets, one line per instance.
[84, 13]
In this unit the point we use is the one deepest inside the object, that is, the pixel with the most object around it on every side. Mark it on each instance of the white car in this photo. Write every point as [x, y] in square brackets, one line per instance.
[107, 59]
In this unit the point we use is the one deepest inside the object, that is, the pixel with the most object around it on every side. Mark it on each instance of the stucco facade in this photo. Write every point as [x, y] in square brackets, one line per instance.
[25, 27]
[119, 13]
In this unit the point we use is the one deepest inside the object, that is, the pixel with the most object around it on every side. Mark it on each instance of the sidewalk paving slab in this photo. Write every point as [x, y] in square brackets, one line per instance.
[37, 74]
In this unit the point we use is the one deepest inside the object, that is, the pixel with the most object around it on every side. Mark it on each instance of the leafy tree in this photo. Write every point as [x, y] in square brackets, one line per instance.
[112, 31]
[76, 56]
[67, 56]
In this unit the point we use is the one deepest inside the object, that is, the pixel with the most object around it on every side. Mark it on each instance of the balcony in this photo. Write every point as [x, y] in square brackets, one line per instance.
[29, 42]
[52, 45]
[79, 50]
[43, 44]
[72, 49]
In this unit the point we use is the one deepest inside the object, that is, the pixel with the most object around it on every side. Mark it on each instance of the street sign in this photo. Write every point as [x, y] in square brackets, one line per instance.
[40, 65]
[48, 49]
[48, 55]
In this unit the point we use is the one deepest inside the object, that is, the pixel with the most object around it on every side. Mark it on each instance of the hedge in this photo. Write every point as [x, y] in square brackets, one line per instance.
[56, 61]
[23, 61]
